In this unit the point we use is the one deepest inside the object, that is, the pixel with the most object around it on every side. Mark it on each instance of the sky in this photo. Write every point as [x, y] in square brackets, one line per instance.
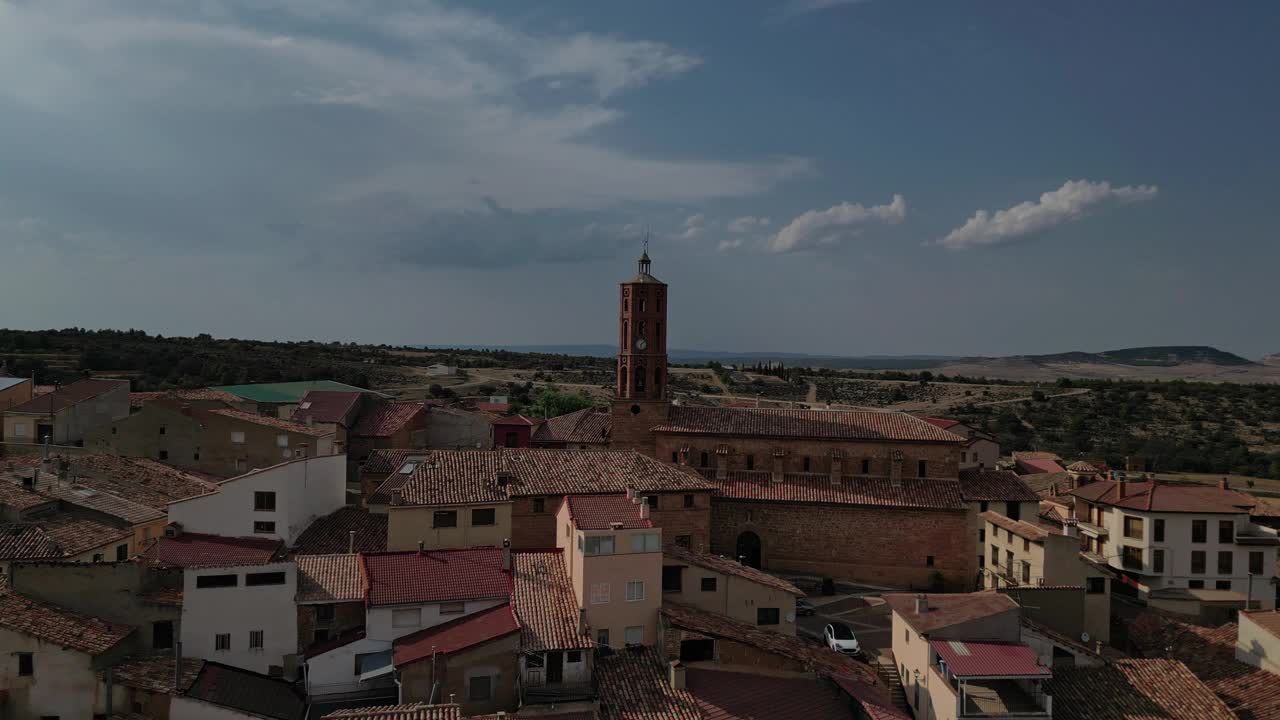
[822, 176]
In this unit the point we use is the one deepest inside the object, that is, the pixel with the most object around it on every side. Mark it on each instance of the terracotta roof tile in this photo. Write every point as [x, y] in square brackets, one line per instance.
[946, 610]
[154, 673]
[140, 480]
[1133, 690]
[330, 578]
[59, 625]
[600, 512]
[67, 395]
[76, 535]
[873, 699]
[976, 658]
[386, 418]
[194, 550]
[634, 686]
[401, 578]
[389, 460]
[1044, 483]
[138, 399]
[725, 566]
[994, 485]
[14, 495]
[104, 502]
[584, 426]
[248, 692]
[408, 711]
[272, 422]
[1268, 620]
[459, 634]
[1163, 497]
[852, 490]
[1082, 466]
[944, 423]
[545, 604]
[331, 534]
[727, 695]
[27, 541]
[1021, 528]
[326, 406]
[824, 424]
[1037, 465]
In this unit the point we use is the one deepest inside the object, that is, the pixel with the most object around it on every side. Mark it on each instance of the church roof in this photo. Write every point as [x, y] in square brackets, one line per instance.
[822, 424]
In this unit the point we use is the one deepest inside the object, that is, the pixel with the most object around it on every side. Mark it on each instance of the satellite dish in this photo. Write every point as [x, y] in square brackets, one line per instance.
[1084, 637]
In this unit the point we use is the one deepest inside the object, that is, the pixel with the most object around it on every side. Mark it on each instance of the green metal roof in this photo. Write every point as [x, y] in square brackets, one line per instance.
[285, 392]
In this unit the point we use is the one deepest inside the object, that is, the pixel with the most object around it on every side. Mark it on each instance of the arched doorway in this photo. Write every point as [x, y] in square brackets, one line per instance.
[749, 549]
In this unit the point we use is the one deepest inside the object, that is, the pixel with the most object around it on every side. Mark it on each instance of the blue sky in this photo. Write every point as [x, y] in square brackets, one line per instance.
[871, 177]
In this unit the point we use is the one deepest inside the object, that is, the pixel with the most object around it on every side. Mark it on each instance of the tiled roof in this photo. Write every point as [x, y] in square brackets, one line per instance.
[446, 479]
[852, 490]
[75, 535]
[944, 423]
[873, 699]
[545, 603]
[1034, 455]
[154, 673]
[1267, 507]
[1021, 528]
[459, 634]
[104, 502]
[1163, 497]
[725, 566]
[194, 550]
[1037, 465]
[802, 652]
[1044, 483]
[1133, 690]
[66, 396]
[329, 578]
[1210, 653]
[13, 495]
[946, 610]
[59, 625]
[1268, 620]
[600, 512]
[26, 541]
[140, 480]
[138, 399]
[579, 427]
[386, 418]
[970, 659]
[331, 534]
[545, 472]
[325, 406]
[726, 695]
[878, 426]
[994, 485]
[402, 578]
[272, 422]
[408, 711]
[390, 460]
[248, 692]
[518, 420]
[1082, 466]
[634, 686]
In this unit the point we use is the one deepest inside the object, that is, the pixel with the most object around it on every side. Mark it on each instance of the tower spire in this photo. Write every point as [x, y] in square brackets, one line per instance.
[644, 256]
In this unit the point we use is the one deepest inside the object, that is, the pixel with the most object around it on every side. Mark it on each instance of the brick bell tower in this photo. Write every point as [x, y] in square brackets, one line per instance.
[640, 399]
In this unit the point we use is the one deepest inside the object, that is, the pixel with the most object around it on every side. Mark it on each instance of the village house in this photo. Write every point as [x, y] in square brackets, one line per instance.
[1258, 639]
[14, 391]
[384, 424]
[330, 598]
[281, 400]
[1127, 689]
[332, 410]
[455, 428]
[204, 398]
[473, 659]
[510, 431]
[999, 491]
[557, 653]
[219, 441]
[225, 692]
[980, 450]
[380, 466]
[66, 415]
[586, 429]
[721, 585]
[345, 530]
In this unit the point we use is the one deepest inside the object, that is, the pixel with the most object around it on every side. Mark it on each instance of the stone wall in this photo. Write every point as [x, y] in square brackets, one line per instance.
[630, 430]
[347, 616]
[941, 460]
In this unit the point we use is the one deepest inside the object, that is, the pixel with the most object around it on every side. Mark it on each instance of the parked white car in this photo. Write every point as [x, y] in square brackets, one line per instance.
[839, 637]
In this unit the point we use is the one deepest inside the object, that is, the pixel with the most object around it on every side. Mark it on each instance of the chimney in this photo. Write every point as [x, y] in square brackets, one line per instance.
[644, 508]
[1069, 528]
[615, 526]
[506, 554]
[422, 547]
[631, 491]
[1122, 487]
[453, 698]
[1223, 484]
[177, 666]
[582, 621]
[676, 674]
[351, 541]
[396, 496]
[922, 604]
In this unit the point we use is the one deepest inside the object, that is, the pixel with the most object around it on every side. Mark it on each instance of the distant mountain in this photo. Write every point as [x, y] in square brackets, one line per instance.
[1157, 356]
[1272, 360]
[685, 355]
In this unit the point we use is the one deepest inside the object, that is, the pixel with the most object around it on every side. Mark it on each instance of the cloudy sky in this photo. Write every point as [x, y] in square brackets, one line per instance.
[856, 177]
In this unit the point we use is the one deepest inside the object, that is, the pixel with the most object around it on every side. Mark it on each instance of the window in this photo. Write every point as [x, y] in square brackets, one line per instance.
[1095, 585]
[1199, 531]
[922, 468]
[324, 613]
[539, 505]
[163, 455]
[866, 466]
[684, 541]
[1255, 563]
[1157, 560]
[672, 578]
[222, 641]
[982, 534]
[1195, 584]
[444, 519]
[1222, 585]
[122, 552]
[1157, 530]
[1226, 531]
[602, 637]
[1013, 510]
[599, 593]
[1197, 562]
[599, 545]
[807, 464]
[162, 635]
[635, 635]
[1026, 571]
[453, 608]
[484, 516]
[982, 506]
[480, 688]
[652, 501]
[264, 501]
[20, 430]
[282, 441]
[964, 456]
[255, 639]
[319, 635]
[704, 458]
[264, 527]
[982, 561]
[1131, 557]
[406, 618]
[511, 439]
[751, 462]
[217, 581]
[573, 656]
[195, 454]
[237, 437]
[1026, 545]
[1133, 527]
[709, 584]
[645, 542]
[635, 590]
[995, 556]
[161, 429]
[255, 579]
[1008, 560]
[675, 457]
[1010, 534]
[928, 561]
[688, 501]
[1224, 562]
[768, 616]
[26, 665]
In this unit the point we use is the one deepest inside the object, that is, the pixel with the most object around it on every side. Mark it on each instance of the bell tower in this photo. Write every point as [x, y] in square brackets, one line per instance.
[640, 397]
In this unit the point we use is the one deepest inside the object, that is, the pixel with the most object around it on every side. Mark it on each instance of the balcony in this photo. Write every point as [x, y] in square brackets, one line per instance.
[992, 679]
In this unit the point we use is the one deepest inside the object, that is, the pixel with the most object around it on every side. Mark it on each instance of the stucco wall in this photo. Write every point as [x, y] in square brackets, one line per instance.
[408, 525]
[63, 683]
[238, 610]
[615, 571]
[1257, 646]
[496, 659]
[379, 625]
[734, 597]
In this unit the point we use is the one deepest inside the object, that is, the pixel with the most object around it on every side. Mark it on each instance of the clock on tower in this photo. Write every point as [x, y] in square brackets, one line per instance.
[641, 394]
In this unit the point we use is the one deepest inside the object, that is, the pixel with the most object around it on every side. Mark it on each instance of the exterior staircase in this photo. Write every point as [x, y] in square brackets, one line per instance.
[889, 676]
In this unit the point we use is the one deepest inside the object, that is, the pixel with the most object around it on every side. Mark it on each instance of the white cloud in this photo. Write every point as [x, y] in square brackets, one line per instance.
[1068, 203]
[729, 244]
[799, 7]
[747, 223]
[694, 226]
[821, 228]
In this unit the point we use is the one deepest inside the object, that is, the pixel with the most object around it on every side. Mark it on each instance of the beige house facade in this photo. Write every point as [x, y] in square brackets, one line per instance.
[66, 415]
[448, 525]
[720, 585]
